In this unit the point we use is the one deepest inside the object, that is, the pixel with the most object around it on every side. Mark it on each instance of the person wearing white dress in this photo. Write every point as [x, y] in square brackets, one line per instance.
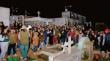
[4, 41]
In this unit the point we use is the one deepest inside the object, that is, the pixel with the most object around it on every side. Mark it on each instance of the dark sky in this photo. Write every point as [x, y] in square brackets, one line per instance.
[96, 10]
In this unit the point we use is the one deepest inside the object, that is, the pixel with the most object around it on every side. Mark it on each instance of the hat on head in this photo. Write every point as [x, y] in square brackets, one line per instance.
[24, 27]
[29, 27]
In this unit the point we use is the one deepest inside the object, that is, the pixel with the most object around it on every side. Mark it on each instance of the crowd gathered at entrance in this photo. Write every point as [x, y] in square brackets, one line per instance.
[35, 38]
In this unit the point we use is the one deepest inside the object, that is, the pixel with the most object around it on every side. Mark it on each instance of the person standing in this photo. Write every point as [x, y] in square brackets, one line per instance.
[31, 35]
[47, 42]
[13, 37]
[95, 43]
[35, 42]
[4, 41]
[24, 42]
[71, 33]
[102, 41]
[76, 36]
[50, 36]
[46, 36]
[107, 40]
[54, 39]
[63, 36]
[41, 40]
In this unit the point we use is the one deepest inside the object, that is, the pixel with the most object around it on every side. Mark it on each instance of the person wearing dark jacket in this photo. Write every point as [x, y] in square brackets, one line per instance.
[107, 41]
[102, 41]
[63, 36]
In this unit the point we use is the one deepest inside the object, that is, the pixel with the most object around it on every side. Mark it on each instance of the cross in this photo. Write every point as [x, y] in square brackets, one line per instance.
[68, 44]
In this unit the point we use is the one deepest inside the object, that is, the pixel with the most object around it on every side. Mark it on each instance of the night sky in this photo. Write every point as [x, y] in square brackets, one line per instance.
[96, 10]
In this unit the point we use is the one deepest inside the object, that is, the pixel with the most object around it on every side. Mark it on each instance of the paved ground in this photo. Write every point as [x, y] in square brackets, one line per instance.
[40, 57]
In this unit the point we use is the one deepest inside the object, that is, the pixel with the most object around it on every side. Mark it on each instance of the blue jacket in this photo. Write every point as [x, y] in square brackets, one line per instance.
[3, 38]
[107, 38]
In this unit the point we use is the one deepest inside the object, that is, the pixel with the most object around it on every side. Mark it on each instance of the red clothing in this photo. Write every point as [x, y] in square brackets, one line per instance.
[72, 34]
[55, 41]
[107, 30]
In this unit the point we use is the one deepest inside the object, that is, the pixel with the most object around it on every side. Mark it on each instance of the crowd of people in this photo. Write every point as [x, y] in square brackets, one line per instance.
[35, 38]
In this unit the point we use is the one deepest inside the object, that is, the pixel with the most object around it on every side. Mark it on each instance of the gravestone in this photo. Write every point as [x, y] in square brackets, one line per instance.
[67, 45]
[69, 53]
[51, 53]
[74, 56]
[85, 45]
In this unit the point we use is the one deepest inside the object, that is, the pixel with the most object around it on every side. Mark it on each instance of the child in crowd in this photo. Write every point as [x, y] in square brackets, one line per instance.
[35, 42]
[41, 40]
[13, 37]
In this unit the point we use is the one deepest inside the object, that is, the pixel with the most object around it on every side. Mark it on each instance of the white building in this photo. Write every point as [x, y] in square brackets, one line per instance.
[44, 21]
[73, 18]
[17, 18]
[36, 20]
[4, 15]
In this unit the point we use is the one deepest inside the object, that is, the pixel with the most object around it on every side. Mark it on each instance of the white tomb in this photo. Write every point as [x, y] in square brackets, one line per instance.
[86, 46]
[63, 56]
[73, 53]
[74, 56]
[67, 45]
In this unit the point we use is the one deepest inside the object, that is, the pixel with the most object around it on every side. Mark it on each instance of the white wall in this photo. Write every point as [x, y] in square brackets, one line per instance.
[4, 15]
[59, 21]
[55, 21]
